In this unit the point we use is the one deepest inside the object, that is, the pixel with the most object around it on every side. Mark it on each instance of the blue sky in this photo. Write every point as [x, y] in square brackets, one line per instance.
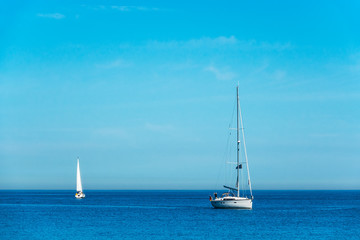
[142, 92]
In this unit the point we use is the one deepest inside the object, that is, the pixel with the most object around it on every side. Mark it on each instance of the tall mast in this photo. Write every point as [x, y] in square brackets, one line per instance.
[238, 140]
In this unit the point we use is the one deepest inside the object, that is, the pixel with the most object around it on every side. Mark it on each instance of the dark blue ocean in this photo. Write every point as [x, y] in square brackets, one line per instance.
[178, 215]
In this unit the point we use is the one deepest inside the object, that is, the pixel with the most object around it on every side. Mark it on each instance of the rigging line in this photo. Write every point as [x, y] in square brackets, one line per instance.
[220, 169]
[229, 171]
[232, 115]
[227, 148]
[218, 177]
[226, 155]
[242, 174]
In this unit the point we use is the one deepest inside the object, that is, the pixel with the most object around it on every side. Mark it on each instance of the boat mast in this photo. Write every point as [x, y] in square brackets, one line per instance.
[238, 140]
[246, 159]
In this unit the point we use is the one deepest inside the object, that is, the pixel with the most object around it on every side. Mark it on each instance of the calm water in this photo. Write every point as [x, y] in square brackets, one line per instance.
[177, 215]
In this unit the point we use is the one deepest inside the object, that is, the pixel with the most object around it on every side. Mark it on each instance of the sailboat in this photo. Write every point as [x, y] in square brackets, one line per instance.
[79, 191]
[232, 198]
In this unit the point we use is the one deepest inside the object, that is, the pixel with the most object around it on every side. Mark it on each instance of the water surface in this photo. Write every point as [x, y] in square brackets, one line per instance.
[177, 215]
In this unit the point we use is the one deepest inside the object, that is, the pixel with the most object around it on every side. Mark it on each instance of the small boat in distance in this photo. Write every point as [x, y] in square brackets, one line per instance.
[232, 199]
[79, 191]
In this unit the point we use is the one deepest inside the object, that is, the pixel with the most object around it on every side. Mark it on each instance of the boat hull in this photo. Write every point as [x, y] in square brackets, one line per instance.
[232, 204]
[80, 195]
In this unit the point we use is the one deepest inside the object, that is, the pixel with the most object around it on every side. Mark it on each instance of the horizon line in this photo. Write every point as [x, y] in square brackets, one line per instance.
[42, 189]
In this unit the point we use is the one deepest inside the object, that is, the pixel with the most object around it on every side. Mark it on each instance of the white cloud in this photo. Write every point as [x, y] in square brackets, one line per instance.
[206, 41]
[271, 46]
[120, 8]
[279, 75]
[310, 97]
[221, 41]
[110, 132]
[354, 66]
[323, 135]
[159, 127]
[222, 74]
[51, 15]
[194, 43]
[118, 63]
[133, 8]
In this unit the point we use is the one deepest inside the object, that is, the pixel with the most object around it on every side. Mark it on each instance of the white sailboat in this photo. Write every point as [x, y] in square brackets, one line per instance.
[233, 199]
[79, 190]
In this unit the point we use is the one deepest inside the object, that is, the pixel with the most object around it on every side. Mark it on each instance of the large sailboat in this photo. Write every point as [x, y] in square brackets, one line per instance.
[79, 190]
[233, 198]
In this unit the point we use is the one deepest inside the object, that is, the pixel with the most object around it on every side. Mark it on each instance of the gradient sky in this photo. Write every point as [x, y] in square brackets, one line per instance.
[143, 92]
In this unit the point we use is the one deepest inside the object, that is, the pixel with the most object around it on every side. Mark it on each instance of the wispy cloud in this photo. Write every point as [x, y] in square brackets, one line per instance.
[51, 15]
[310, 97]
[211, 41]
[194, 43]
[110, 132]
[118, 63]
[223, 74]
[323, 135]
[121, 8]
[159, 127]
[94, 7]
[222, 41]
[354, 67]
[134, 8]
[279, 75]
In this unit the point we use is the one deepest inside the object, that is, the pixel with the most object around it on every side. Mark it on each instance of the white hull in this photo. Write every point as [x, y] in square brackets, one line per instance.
[80, 195]
[235, 203]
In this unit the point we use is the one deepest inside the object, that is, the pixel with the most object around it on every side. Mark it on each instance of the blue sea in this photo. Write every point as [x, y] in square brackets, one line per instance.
[177, 215]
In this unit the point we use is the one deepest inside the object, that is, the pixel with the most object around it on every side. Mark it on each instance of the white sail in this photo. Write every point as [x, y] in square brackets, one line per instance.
[78, 178]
